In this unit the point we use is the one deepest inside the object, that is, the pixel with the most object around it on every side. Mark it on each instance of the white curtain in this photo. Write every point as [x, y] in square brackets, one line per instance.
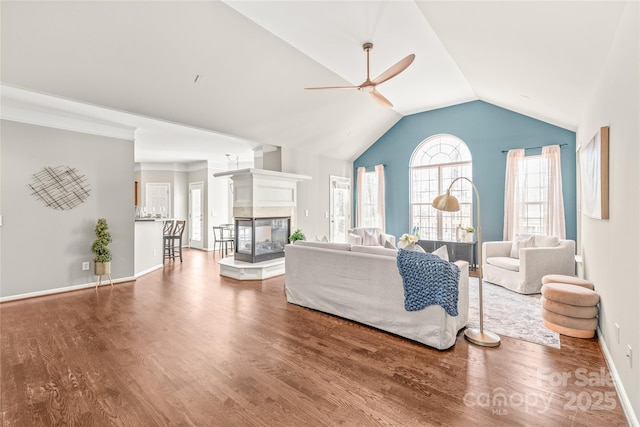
[370, 198]
[513, 194]
[360, 196]
[380, 199]
[554, 202]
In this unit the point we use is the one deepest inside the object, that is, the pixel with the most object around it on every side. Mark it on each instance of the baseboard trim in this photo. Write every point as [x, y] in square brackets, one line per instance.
[149, 270]
[63, 289]
[622, 394]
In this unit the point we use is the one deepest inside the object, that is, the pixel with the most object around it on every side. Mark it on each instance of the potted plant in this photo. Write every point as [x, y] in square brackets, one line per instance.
[100, 248]
[468, 234]
[297, 235]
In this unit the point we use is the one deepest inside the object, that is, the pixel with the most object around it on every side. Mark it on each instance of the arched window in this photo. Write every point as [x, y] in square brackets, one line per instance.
[436, 162]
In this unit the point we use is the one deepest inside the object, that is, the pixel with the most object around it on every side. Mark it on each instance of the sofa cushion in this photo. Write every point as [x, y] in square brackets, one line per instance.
[507, 263]
[545, 241]
[377, 250]
[325, 245]
[442, 252]
[520, 242]
[389, 245]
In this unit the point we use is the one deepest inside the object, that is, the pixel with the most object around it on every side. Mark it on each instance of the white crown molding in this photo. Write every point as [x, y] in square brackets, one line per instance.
[33, 108]
[59, 120]
[173, 167]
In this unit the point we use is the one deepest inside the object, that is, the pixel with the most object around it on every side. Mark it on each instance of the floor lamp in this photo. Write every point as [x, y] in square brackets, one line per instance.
[448, 203]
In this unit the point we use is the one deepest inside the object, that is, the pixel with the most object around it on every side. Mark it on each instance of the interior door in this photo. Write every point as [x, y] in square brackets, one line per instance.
[157, 199]
[196, 192]
[340, 208]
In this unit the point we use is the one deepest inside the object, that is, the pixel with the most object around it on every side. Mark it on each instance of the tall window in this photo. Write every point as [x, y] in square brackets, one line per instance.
[534, 185]
[435, 163]
[533, 201]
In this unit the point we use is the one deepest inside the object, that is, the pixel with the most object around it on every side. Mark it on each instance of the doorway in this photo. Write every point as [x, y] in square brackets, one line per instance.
[340, 208]
[196, 191]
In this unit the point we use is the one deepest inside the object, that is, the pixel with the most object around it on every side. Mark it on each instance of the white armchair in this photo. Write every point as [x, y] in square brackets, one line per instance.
[369, 237]
[524, 274]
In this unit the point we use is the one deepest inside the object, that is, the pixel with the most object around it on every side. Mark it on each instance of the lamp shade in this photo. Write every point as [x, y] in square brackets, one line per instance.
[446, 202]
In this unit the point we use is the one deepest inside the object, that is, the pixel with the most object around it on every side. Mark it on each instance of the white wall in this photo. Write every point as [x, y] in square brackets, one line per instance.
[611, 248]
[313, 195]
[43, 248]
[219, 207]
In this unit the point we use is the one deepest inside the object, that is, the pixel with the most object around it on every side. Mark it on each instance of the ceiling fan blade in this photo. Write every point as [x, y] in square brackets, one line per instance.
[381, 99]
[332, 87]
[394, 70]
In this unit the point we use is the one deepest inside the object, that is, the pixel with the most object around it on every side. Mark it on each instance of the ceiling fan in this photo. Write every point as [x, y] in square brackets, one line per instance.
[369, 85]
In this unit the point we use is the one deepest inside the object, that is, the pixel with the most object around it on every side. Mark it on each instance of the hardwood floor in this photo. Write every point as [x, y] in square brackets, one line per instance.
[183, 346]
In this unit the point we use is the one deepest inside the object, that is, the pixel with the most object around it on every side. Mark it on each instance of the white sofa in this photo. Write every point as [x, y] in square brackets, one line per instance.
[524, 274]
[362, 283]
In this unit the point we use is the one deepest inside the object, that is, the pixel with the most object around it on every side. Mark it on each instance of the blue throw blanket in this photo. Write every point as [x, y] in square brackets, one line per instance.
[428, 280]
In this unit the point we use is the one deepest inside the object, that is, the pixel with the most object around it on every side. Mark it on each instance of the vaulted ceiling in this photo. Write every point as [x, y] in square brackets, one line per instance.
[239, 68]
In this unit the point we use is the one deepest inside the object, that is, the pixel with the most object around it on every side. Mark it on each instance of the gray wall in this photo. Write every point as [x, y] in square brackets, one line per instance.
[611, 248]
[43, 248]
[313, 195]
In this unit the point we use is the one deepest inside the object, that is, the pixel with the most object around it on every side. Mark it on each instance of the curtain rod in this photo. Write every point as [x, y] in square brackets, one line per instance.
[532, 148]
[384, 165]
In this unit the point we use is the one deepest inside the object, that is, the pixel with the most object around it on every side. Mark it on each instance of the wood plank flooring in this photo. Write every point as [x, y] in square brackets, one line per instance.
[183, 346]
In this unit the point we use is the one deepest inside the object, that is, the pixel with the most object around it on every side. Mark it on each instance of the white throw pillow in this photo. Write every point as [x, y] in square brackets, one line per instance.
[371, 237]
[442, 252]
[520, 242]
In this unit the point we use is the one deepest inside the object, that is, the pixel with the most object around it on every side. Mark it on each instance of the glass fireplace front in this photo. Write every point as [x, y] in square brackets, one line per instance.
[261, 239]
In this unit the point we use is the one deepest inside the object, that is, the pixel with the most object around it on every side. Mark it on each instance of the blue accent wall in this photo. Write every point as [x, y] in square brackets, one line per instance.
[487, 130]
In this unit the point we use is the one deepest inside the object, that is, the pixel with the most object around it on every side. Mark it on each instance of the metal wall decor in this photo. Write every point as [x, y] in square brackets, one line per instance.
[60, 188]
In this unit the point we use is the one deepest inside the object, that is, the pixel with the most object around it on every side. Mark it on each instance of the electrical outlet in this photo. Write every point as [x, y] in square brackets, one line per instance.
[85, 266]
[629, 355]
[617, 333]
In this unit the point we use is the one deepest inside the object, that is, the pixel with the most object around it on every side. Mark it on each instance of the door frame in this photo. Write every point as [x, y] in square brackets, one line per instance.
[191, 222]
[335, 182]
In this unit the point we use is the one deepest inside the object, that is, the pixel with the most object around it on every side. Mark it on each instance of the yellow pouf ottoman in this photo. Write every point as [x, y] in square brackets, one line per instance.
[570, 309]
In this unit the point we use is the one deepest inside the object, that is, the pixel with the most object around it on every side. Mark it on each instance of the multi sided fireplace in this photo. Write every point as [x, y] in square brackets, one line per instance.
[261, 239]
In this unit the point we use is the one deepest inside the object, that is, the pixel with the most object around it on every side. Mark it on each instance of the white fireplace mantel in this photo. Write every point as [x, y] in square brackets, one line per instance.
[263, 193]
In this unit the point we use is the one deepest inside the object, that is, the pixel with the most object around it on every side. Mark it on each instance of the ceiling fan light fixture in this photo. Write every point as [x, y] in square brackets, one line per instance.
[369, 86]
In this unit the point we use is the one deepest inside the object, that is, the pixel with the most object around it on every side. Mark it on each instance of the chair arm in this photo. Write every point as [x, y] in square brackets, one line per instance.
[353, 239]
[495, 249]
[538, 262]
[387, 238]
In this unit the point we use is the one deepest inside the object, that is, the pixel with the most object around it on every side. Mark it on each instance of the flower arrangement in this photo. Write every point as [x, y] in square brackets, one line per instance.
[408, 238]
[470, 230]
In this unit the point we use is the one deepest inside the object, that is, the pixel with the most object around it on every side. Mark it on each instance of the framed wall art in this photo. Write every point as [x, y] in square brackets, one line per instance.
[594, 175]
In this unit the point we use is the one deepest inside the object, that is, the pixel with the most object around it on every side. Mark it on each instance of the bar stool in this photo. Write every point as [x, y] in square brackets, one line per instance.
[176, 239]
[167, 231]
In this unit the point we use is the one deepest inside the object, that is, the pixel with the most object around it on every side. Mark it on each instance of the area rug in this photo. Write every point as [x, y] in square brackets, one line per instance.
[510, 314]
